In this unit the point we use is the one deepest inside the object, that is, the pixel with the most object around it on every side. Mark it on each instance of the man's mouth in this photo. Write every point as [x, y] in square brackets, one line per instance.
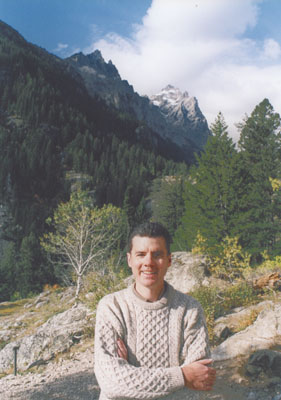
[148, 273]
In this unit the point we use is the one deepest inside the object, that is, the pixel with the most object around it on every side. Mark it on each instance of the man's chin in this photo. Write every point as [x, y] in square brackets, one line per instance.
[148, 282]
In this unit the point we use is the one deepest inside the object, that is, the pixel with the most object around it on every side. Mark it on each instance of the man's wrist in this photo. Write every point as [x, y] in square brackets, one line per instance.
[185, 373]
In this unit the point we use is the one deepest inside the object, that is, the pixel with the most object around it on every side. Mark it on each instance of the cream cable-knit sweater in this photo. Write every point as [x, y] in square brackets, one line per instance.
[160, 337]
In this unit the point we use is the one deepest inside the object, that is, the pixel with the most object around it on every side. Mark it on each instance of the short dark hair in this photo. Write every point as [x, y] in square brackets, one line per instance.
[152, 230]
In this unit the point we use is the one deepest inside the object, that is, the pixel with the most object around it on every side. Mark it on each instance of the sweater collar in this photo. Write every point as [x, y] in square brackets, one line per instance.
[136, 293]
[160, 303]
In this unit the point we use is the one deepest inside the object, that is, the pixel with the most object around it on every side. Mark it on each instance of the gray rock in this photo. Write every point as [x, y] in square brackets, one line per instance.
[266, 361]
[222, 331]
[226, 325]
[40, 304]
[262, 334]
[57, 335]
[5, 335]
[187, 271]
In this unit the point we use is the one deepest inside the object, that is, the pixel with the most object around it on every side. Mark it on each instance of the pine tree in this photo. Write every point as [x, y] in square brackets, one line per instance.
[167, 202]
[260, 145]
[210, 193]
[8, 272]
[32, 271]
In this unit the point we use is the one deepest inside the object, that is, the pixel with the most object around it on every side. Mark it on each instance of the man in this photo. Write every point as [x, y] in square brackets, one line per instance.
[151, 340]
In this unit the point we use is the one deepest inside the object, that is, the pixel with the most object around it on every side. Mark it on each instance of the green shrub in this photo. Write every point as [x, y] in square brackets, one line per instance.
[102, 283]
[241, 294]
[268, 265]
[208, 298]
[216, 303]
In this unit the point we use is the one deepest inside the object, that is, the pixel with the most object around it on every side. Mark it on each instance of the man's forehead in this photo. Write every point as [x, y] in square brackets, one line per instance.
[139, 242]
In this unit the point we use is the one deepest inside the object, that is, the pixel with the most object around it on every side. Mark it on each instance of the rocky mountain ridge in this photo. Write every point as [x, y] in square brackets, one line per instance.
[171, 114]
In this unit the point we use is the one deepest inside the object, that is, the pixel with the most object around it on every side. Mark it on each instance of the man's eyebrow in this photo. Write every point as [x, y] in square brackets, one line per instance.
[158, 252]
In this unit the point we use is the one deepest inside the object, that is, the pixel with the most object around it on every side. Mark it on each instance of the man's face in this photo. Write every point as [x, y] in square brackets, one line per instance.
[149, 260]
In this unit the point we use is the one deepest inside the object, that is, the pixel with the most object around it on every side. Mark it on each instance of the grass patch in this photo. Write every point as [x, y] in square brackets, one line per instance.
[10, 308]
[3, 344]
[97, 285]
[217, 303]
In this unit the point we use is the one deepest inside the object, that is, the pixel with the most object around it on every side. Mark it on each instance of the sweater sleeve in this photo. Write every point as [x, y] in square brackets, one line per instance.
[117, 378]
[195, 338]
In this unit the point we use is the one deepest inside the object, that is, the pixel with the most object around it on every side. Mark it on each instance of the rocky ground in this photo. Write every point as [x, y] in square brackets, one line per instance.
[63, 379]
[73, 379]
[55, 346]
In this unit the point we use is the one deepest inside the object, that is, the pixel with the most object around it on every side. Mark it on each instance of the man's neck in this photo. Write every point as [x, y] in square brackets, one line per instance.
[150, 294]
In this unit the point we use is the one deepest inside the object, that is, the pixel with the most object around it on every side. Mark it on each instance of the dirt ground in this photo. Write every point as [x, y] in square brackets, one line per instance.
[75, 380]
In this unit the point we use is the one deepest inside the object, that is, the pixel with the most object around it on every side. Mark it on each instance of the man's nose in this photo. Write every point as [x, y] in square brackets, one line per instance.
[149, 260]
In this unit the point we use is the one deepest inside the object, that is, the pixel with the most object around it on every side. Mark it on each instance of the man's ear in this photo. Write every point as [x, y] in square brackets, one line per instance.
[129, 259]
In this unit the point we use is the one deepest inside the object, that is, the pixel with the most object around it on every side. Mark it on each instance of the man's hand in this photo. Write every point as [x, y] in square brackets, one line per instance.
[198, 375]
[122, 350]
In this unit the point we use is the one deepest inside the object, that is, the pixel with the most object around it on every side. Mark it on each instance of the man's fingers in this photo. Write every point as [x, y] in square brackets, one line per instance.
[207, 361]
[121, 345]
[199, 375]
[122, 349]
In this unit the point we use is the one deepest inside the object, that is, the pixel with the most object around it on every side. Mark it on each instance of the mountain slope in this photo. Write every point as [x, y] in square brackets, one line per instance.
[189, 131]
[52, 130]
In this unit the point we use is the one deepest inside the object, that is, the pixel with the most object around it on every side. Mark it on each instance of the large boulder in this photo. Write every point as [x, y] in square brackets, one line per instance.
[264, 333]
[187, 272]
[57, 335]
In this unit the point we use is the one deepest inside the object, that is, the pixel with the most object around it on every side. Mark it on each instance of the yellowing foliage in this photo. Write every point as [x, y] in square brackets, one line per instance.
[275, 183]
[227, 260]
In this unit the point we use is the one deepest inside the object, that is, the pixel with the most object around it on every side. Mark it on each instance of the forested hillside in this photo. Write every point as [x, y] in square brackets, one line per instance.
[50, 129]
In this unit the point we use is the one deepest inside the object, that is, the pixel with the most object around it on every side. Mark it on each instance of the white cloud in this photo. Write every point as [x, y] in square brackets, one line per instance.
[271, 49]
[200, 46]
[61, 47]
[64, 50]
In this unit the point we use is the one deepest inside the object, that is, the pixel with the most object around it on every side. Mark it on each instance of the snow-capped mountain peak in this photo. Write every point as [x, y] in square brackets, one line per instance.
[171, 96]
[182, 111]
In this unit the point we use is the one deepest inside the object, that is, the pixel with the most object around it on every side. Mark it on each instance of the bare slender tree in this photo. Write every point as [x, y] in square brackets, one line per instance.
[83, 236]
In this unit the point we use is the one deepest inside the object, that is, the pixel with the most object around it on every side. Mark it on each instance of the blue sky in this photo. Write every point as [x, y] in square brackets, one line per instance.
[76, 23]
[226, 53]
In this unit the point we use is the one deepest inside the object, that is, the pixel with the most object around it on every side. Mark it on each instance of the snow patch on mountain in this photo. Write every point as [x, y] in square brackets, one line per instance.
[182, 111]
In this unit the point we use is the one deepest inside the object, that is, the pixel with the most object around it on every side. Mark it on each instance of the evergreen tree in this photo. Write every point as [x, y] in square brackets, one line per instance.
[258, 225]
[211, 192]
[167, 201]
[32, 272]
[8, 272]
